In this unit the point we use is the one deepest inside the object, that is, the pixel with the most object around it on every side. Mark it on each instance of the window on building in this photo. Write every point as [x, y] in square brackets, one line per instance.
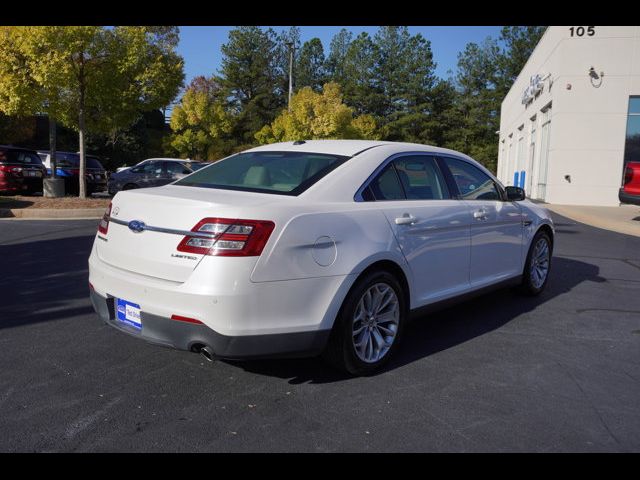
[632, 143]
[518, 176]
[544, 152]
[532, 155]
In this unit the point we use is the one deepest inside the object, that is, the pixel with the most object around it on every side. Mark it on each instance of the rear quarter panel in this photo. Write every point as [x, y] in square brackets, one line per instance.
[328, 243]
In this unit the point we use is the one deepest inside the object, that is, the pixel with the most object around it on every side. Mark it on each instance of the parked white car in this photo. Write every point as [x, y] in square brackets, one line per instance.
[316, 247]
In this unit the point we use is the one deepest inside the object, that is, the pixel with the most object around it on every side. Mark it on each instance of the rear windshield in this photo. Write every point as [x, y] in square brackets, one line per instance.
[19, 156]
[284, 173]
[73, 160]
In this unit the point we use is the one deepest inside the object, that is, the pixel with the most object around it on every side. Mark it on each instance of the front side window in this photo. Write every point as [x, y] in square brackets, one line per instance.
[472, 183]
[284, 173]
[149, 168]
[176, 168]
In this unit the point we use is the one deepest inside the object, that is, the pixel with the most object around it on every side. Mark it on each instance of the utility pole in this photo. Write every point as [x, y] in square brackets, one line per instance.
[290, 45]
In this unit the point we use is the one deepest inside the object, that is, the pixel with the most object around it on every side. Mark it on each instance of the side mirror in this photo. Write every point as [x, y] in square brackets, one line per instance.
[515, 194]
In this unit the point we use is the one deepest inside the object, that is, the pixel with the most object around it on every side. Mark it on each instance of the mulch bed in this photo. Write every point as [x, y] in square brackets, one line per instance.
[21, 201]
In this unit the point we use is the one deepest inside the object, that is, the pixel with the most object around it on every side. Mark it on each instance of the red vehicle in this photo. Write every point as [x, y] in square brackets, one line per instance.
[21, 171]
[630, 191]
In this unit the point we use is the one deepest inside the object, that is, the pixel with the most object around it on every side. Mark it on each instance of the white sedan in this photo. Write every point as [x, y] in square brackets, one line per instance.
[312, 247]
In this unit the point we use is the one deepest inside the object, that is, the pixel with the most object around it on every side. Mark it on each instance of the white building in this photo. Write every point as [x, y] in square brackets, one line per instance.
[572, 117]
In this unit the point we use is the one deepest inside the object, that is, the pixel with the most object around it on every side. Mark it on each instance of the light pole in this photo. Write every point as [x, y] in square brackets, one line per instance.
[290, 45]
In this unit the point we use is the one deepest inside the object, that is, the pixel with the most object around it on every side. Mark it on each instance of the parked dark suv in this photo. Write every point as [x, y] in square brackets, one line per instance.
[21, 171]
[68, 167]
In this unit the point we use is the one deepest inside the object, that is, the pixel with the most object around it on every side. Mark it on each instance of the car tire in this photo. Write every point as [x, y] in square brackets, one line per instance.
[538, 265]
[130, 186]
[341, 351]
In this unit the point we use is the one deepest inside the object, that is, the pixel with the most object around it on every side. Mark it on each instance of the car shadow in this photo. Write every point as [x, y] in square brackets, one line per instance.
[443, 329]
[44, 280]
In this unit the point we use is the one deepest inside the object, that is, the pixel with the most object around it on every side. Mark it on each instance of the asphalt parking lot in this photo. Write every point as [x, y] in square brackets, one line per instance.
[560, 372]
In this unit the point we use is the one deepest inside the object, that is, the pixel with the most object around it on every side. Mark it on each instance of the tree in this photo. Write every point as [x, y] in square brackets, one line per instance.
[201, 125]
[310, 66]
[337, 53]
[99, 79]
[317, 116]
[519, 43]
[404, 77]
[21, 92]
[358, 70]
[390, 76]
[478, 102]
[285, 42]
[249, 78]
[127, 146]
[485, 74]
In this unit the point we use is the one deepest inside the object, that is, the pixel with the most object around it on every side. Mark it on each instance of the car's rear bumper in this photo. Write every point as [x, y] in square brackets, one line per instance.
[20, 185]
[187, 336]
[625, 197]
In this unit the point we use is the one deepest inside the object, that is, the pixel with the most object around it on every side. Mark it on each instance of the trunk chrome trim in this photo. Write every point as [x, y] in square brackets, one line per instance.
[172, 231]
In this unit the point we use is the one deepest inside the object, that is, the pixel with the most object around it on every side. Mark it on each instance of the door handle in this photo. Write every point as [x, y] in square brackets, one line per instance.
[480, 214]
[406, 219]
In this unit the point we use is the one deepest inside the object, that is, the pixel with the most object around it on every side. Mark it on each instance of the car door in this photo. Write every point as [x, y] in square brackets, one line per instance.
[145, 174]
[431, 228]
[496, 224]
[155, 174]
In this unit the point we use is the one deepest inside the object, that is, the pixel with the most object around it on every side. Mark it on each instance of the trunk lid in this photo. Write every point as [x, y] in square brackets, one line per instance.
[172, 207]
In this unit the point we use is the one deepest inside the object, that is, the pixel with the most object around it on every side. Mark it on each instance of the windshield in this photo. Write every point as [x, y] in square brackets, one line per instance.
[284, 173]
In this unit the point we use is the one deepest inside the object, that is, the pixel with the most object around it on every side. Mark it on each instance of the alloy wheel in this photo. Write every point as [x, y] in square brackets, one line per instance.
[375, 322]
[539, 263]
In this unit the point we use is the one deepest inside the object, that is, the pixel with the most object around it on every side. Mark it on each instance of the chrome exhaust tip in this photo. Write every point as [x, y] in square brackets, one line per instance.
[207, 353]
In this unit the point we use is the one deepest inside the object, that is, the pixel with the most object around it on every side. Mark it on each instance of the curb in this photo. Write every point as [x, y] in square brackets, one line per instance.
[51, 213]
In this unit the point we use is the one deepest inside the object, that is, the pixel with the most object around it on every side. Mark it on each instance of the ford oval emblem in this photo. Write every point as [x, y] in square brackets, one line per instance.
[136, 226]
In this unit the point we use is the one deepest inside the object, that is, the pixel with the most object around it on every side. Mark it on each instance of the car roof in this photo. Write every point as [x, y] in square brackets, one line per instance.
[348, 147]
[47, 152]
[169, 160]
[334, 147]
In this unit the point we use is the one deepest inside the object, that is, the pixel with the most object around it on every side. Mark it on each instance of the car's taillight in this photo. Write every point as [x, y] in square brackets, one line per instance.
[226, 237]
[628, 175]
[8, 170]
[103, 226]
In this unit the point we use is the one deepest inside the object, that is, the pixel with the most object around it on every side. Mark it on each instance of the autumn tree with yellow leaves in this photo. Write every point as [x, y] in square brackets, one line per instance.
[315, 115]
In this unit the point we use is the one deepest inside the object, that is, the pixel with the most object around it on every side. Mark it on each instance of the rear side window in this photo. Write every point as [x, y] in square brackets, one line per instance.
[472, 182]
[385, 186]
[421, 178]
[284, 173]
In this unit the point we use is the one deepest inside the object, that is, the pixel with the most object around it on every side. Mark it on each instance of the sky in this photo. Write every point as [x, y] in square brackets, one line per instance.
[200, 46]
